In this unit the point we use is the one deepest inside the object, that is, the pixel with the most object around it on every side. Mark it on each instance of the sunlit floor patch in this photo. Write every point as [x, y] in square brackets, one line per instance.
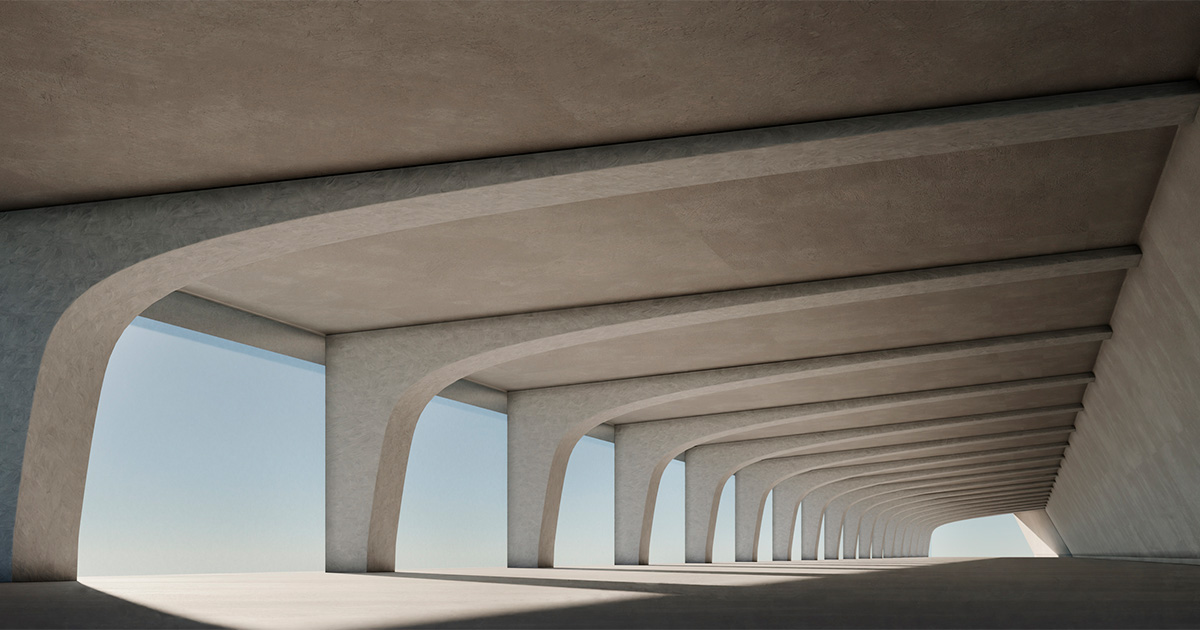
[910, 593]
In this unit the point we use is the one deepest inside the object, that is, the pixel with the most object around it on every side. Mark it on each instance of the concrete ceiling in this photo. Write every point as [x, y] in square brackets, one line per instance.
[118, 99]
[996, 311]
[113, 99]
[1051, 197]
[993, 368]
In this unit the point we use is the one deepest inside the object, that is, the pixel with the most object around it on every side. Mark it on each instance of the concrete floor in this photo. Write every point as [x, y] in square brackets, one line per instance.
[908, 593]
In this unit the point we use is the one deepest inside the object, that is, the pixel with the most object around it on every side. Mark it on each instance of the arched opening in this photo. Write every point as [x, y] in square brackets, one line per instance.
[723, 536]
[586, 513]
[986, 537]
[667, 529]
[455, 488]
[207, 456]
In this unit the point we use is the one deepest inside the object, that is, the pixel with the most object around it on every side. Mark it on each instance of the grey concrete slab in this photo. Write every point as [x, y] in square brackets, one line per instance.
[829, 223]
[155, 114]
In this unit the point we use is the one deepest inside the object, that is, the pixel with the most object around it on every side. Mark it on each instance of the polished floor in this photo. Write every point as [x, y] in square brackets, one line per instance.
[901, 593]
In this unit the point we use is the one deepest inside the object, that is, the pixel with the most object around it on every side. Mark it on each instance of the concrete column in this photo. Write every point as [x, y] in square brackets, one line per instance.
[646, 447]
[853, 503]
[889, 543]
[710, 465]
[883, 531]
[755, 482]
[801, 483]
[783, 520]
[75, 276]
[880, 510]
[905, 519]
[836, 510]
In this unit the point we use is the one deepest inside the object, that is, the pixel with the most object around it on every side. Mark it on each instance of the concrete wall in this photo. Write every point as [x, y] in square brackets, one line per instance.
[1128, 486]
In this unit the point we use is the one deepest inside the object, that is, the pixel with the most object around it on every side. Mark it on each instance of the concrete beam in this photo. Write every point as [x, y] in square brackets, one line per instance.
[931, 524]
[699, 524]
[790, 494]
[140, 250]
[644, 449]
[710, 466]
[853, 505]
[844, 492]
[885, 529]
[647, 448]
[906, 527]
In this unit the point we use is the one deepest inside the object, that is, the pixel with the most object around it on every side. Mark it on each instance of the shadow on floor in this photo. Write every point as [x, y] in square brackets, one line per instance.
[73, 605]
[992, 593]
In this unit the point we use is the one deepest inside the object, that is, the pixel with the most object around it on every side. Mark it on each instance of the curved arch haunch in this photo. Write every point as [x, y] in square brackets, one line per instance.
[71, 304]
[139, 250]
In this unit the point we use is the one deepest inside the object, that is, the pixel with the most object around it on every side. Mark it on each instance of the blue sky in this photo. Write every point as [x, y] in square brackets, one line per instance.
[208, 456]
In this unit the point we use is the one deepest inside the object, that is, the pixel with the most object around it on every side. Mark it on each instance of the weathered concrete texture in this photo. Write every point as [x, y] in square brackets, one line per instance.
[214, 95]
[1128, 485]
[709, 466]
[853, 504]
[828, 223]
[996, 491]
[1083, 300]
[908, 525]
[844, 492]
[76, 275]
[1041, 534]
[793, 488]
[645, 449]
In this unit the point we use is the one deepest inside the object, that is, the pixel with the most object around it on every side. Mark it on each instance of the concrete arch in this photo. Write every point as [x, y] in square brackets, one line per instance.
[816, 489]
[931, 524]
[885, 530]
[857, 502]
[645, 448]
[875, 521]
[710, 466]
[790, 496]
[907, 531]
[845, 522]
[902, 528]
[55, 359]
[981, 492]
[976, 487]
[917, 531]
[842, 492]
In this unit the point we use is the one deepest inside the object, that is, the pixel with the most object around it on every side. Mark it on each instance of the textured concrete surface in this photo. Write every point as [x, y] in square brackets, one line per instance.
[378, 382]
[906, 214]
[708, 467]
[848, 508]
[888, 231]
[1128, 486]
[125, 255]
[893, 593]
[120, 99]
